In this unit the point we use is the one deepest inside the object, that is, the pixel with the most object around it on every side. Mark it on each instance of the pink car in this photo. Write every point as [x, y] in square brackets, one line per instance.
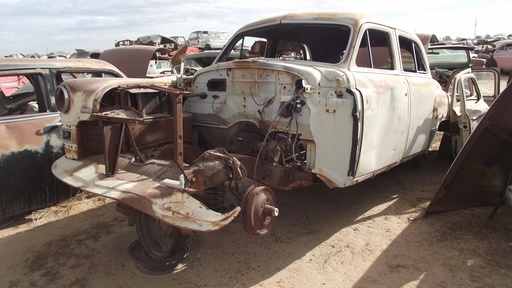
[503, 55]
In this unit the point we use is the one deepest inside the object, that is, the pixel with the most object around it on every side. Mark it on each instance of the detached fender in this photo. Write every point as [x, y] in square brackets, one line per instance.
[138, 186]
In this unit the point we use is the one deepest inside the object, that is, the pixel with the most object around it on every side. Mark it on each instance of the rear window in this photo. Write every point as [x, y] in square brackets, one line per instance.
[442, 57]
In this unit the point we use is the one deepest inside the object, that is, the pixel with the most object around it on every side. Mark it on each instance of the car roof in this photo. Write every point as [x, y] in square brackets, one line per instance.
[502, 42]
[354, 19]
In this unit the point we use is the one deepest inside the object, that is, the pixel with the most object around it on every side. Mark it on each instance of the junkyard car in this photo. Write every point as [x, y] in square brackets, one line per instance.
[180, 40]
[137, 60]
[445, 59]
[503, 55]
[84, 54]
[332, 97]
[30, 137]
[467, 83]
[208, 40]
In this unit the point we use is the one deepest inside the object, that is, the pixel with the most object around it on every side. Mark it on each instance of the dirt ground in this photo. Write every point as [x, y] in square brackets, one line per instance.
[368, 235]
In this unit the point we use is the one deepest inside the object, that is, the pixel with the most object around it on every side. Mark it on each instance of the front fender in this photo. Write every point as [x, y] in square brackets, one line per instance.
[138, 186]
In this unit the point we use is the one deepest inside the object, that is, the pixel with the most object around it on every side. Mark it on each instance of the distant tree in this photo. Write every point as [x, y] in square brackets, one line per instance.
[478, 37]
[487, 36]
[446, 38]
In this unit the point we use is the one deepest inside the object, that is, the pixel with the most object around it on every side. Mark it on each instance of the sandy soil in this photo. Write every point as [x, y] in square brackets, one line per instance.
[369, 235]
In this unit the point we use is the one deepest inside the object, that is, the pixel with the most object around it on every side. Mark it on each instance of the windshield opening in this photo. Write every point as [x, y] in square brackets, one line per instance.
[291, 41]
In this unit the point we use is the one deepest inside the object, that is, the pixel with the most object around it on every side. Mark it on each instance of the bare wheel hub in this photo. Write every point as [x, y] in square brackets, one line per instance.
[258, 210]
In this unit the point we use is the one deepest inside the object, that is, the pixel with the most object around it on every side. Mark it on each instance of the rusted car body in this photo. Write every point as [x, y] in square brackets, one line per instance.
[30, 132]
[134, 60]
[140, 61]
[332, 97]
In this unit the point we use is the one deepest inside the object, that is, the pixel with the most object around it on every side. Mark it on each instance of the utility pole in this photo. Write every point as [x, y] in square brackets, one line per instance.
[474, 33]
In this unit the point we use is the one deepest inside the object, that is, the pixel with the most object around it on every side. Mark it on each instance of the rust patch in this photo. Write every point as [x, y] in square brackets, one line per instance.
[276, 177]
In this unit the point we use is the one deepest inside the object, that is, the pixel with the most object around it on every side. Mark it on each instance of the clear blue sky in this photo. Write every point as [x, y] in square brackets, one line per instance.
[28, 26]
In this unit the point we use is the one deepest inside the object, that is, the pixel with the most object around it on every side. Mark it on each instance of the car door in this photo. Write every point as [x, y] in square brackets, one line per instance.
[385, 100]
[422, 94]
[488, 80]
[30, 144]
[467, 107]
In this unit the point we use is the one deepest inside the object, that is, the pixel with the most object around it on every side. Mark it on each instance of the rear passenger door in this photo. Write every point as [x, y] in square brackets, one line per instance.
[422, 93]
[385, 99]
[30, 143]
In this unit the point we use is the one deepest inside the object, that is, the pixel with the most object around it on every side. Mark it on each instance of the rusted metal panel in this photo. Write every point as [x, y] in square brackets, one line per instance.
[132, 60]
[177, 102]
[427, 39]
[138, 186]
[480, 174]
[22, 64]
[26, 156]
[276, 177]
[31, 139]
[89, 95]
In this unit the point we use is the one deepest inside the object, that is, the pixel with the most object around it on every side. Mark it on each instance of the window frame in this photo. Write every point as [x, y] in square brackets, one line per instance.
[365, 37]
[417, 56]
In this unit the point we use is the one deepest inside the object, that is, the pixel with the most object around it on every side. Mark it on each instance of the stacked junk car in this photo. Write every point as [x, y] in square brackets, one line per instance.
[310, 98]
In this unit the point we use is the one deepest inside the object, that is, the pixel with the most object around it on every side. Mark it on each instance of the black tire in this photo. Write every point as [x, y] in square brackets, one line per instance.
[158, 239]
[150, 266]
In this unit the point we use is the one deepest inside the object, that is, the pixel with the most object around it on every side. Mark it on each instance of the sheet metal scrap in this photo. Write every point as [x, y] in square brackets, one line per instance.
[481, 173]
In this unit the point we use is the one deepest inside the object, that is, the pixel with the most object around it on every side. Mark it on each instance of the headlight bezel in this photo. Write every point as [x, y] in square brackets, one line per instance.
[62, 99]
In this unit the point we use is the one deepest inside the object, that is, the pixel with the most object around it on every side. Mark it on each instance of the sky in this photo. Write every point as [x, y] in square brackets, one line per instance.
[45, 26]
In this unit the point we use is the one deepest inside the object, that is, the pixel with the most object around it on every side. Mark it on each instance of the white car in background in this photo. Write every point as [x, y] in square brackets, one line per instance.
[208, 40]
